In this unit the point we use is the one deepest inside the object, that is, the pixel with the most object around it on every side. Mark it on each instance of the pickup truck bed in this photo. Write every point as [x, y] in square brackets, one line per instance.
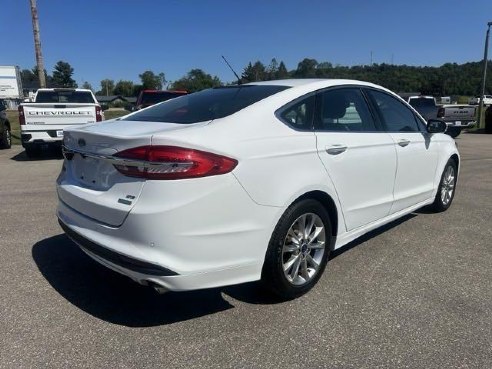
[42, 121]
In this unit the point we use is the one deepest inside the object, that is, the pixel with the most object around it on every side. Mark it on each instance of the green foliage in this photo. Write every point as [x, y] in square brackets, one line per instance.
[282, 71]
[62, 75]
[196, 80]
[107, 87]
[151, 81]
[450, 79]
[87, 86]
[256, 72]
[306, 68]
[123, 88]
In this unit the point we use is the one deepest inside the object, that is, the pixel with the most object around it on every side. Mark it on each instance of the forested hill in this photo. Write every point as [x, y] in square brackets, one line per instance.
[448, 79]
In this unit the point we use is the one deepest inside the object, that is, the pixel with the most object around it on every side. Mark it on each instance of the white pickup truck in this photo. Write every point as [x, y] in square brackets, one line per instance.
[53, 109]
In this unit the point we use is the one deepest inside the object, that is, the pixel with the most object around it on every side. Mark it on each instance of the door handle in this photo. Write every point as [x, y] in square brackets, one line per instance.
[404, 142]
[336, 149]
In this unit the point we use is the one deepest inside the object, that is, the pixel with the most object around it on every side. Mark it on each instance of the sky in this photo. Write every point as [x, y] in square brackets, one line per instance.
[120, 39]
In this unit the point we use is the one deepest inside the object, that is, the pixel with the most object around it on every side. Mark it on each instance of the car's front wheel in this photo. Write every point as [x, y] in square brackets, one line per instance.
[298, 250]
[447, 186]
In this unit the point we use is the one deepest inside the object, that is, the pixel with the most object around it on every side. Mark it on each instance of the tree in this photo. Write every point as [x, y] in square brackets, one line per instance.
[87, 86]
[196, 80]
[282, 72]
[271, 71]
[151, 81]
[107, 87]
[255, 72]
[62, 75]
[123, 88]
[28, 78]
[306, 68]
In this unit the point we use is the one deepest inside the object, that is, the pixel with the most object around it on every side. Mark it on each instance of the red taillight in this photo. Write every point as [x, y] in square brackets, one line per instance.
[440, 113]
[172, 162]
[22, 118]
[99, 117]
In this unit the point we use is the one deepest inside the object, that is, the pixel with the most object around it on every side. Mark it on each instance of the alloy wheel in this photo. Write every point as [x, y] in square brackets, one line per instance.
[303, 249]
[447, 187]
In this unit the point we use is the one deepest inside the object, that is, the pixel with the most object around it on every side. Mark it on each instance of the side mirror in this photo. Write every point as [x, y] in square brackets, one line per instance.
[104, 107]
[436, 126]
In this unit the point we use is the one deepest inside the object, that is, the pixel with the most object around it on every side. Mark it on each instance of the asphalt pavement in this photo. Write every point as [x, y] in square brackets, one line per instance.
[415, 294]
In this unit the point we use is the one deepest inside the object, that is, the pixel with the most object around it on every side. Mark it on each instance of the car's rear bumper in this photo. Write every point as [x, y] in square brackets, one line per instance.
[461, 124]
[51, 136]
[218, 239]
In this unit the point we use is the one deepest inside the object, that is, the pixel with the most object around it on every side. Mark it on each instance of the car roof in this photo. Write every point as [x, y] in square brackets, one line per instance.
[324, 82]
[61, 89]
[315, 83]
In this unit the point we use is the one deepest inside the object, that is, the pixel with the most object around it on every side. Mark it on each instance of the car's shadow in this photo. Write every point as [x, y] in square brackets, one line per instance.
[49, 154]
[116, 299]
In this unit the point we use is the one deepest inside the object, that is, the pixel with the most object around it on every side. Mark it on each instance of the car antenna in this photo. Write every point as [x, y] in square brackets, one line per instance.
[233, 71]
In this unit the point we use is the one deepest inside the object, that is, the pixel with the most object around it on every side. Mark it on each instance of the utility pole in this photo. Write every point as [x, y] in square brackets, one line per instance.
[484, 78]
[37, 44]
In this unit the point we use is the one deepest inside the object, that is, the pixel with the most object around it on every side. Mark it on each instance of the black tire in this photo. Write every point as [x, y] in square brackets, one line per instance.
[32, 151]
[440, 204]
[273, 276]
[453, 131]
[6, 138]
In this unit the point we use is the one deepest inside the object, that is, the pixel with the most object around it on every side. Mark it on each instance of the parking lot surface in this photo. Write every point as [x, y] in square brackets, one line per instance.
[417, 293]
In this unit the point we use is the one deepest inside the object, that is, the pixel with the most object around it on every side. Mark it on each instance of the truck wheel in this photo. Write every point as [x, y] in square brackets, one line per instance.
[298, 250]
[6, 139]
[453, 131]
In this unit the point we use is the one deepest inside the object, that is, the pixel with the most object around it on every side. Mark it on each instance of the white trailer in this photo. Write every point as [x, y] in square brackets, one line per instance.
[10, 82]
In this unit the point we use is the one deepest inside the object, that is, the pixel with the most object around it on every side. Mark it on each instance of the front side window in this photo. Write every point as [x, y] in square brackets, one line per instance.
[206, 105]
[344, 110]
[395, 115]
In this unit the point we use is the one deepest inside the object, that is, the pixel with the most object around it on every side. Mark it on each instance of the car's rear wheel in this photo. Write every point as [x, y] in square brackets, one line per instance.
[447, 186]
[6, 138]
[298, 250]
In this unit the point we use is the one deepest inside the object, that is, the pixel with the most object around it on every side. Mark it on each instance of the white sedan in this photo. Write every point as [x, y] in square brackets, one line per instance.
[251, 182]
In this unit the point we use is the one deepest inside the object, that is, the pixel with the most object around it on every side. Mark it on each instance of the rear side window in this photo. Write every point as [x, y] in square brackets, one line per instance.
[396, 116]
[344, 110]
[299, 113]
[206, 105]
[81, 97]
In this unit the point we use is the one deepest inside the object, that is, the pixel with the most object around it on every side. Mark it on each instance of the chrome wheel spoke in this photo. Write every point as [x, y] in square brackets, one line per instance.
[304, 270]
[317, 246]
[312, 262]
[290, 262]
[290, 248]
[295, 268]
[309, 227]
[315, 234]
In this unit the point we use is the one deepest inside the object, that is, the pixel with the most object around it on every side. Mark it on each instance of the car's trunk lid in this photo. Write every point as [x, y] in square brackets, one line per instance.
[91, 185]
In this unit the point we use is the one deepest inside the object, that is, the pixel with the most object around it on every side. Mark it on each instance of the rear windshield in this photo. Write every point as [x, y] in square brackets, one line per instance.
[206, 105]
[422, 103]
[64, 97]
[151, 98]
